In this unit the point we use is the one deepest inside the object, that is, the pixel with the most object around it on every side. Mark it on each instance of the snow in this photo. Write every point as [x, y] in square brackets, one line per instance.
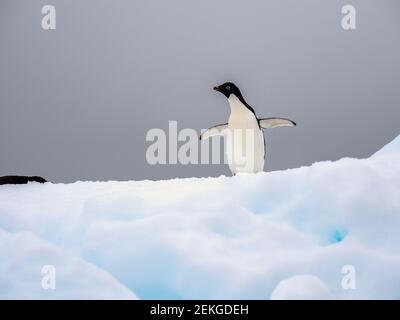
[281, 235]
[23, 257]
[301, 287]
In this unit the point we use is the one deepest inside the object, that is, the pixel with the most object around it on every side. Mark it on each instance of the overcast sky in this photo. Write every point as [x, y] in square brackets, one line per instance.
[76, 102]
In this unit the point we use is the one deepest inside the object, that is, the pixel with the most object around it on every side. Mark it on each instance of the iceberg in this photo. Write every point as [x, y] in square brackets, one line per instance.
[280, 235]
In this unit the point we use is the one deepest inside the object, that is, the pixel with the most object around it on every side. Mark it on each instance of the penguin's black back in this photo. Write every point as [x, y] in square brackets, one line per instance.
[20, 180]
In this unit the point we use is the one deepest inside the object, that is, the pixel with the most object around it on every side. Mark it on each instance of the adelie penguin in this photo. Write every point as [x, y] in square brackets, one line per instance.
[246, 146]
[20, 180]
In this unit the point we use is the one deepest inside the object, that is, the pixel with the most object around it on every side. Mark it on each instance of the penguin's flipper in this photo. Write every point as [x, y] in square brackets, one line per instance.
[269, 123]
[217, 130]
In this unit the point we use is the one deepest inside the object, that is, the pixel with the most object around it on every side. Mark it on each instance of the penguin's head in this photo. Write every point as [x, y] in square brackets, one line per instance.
[37, 179]
[227, 89]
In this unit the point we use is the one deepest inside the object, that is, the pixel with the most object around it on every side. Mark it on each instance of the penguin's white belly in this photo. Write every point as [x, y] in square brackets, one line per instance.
[245, 142]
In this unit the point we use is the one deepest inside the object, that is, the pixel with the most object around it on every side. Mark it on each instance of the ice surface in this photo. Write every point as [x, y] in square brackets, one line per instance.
[282, 234]
[303, 287]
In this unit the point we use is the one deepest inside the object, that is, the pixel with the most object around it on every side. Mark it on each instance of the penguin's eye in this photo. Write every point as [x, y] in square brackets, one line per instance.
[228, 88]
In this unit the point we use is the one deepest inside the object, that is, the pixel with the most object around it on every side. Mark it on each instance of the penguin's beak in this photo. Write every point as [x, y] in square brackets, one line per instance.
[216, 88]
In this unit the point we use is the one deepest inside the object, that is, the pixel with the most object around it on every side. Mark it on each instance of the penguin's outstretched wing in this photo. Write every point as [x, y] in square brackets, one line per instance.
[269, 123]
[217, 130]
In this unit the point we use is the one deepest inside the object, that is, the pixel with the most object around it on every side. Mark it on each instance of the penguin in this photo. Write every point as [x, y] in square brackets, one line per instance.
[246, 146]
[20, 180]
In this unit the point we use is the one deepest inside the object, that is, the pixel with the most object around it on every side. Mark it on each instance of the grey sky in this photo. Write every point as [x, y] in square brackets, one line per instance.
[76, 102]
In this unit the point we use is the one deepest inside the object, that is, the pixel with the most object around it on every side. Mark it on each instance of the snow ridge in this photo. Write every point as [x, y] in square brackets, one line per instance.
[282, 235]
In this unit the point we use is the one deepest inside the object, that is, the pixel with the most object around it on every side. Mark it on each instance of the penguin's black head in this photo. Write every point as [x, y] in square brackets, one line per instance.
[227, 89]
[37, 179]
